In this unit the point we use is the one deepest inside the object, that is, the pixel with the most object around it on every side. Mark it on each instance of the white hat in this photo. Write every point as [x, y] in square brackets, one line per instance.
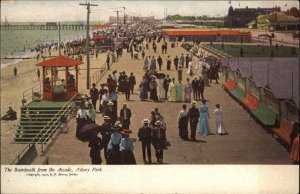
[157, 122]
[146, 120]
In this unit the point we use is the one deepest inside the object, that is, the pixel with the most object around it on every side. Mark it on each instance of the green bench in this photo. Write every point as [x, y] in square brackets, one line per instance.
[237, 93]
[264, 114]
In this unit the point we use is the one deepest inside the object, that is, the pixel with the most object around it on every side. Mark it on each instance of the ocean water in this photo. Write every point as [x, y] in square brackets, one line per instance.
[14, 41]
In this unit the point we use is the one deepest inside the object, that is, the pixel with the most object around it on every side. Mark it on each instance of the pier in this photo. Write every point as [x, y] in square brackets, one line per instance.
[43, 27]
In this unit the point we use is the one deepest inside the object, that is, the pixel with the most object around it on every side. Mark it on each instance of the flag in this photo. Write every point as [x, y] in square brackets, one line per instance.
[229, 2]
[285, 5]
[239, 4]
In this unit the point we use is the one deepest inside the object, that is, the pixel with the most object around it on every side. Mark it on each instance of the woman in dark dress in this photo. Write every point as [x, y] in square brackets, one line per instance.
[144, 89]
[153, 90]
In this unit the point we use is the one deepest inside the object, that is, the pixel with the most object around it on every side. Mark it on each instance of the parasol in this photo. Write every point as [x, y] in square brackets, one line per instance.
[88, 131]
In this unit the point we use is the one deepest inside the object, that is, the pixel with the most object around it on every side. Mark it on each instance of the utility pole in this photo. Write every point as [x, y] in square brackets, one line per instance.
[88, 43]
[124, 19]
[59, 51]
[118, 20]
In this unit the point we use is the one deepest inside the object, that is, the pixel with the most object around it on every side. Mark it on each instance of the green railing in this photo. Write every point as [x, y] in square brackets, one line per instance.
[99, 73]
[33, 93]
[55, 119]
[54, 122]
[215, 51]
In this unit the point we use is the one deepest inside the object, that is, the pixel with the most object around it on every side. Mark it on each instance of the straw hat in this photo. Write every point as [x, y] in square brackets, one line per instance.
[110, 103]
[117, 126]
[146, 121]
[106, 117]
[194, 102]
[157, 122]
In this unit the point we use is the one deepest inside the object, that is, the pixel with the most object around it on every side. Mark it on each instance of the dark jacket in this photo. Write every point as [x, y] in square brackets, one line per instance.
[144, 133]
[159, 60]
[176, 60]
[94, 93]
[193, 115]
[166, 83]
[128, 113]
[200, 85]
[132, 80]
[194, 84]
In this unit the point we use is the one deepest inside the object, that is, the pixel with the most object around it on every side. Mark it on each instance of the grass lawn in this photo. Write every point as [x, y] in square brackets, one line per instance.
[258, 51]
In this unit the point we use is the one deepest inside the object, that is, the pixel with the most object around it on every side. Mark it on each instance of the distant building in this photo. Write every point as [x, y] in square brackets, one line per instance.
[240, 17]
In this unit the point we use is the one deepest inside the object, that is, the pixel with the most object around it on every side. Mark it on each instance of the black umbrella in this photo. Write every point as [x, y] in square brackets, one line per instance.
[88, 131]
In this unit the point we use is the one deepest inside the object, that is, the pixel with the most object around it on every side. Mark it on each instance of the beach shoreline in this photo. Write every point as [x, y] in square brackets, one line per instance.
[12, 88]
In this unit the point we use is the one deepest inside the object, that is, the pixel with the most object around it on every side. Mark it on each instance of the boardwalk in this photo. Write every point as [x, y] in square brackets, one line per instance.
[247, 142]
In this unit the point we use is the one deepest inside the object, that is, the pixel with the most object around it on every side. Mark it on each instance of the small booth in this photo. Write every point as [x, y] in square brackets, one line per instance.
[60, 78]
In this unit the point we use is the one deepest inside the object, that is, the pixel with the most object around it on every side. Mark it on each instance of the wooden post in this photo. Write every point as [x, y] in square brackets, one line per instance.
[52, 79]
[76, 67]
[67, 70]
[87, 44]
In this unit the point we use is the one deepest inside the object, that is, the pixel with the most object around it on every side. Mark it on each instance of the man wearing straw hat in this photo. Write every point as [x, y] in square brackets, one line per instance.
[144, 135]
[113, 146]
[125, 115]
[158, 139]
[126, 148]
[106, 133]
[194, 117]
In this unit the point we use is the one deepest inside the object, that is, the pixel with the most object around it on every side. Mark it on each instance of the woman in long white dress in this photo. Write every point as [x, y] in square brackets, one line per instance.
[219, 121]
[162, 93]
[190, 69]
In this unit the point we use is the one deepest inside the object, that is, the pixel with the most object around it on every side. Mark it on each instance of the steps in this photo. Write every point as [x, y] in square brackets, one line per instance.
[40, 120]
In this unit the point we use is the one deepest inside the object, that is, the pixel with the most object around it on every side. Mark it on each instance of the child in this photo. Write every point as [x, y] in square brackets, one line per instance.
[219, 121]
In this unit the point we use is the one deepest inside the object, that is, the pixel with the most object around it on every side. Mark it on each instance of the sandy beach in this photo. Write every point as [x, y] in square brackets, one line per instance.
[12, 88]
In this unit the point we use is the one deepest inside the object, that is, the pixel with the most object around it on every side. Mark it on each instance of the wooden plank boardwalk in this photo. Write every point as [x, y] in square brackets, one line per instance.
[247, 142]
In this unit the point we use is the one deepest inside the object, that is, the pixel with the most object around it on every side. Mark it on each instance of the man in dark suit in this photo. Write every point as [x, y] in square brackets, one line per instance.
[194, 87]
[144, 135]
[200, 88]
[159, 61]
[193, 115]
[94, 95]
[132, 82]
[106, 133]
[125, 115]
[166, 84]
[127, 87]
[107, 61]
[187, 60]
[176, 60]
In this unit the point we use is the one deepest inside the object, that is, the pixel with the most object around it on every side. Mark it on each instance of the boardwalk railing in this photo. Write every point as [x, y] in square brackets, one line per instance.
[99, 73]
[33, 93]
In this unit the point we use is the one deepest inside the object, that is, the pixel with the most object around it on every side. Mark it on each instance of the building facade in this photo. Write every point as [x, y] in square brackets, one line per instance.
[240, 17]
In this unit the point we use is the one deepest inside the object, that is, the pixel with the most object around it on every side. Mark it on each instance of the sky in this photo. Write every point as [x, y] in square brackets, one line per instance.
[55, 10]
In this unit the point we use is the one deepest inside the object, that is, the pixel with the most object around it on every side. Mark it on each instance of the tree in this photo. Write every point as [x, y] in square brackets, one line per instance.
[293, 12]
